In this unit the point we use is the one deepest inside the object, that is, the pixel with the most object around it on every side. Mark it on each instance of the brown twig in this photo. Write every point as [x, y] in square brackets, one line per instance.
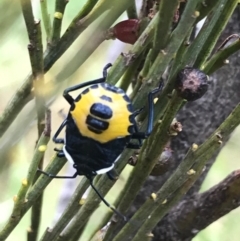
[197, 212]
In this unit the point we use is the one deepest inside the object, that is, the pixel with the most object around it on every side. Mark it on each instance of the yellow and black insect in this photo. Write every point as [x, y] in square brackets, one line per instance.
[99, 126]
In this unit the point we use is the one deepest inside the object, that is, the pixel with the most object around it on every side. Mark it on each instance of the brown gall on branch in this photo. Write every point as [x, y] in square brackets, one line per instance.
[191, 84]
[163, 163]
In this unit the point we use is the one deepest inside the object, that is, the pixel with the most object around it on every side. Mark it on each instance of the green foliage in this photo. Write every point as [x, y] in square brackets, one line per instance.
[69, 43]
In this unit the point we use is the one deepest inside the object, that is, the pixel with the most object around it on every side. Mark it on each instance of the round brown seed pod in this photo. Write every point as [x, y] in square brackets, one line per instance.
[127, 31]
[191, 84]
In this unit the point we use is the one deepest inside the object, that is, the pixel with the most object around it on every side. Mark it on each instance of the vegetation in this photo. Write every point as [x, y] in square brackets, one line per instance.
[164, 47]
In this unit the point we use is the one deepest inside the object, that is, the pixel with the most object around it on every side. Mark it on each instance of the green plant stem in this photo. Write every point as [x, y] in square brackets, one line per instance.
[130, 72]
[37, 207]
[142, 73]
[219, 58]
[206, 7]
[46, 18]
[72, 208]
[172, 185]
[57, 20]
[165, 56]
[132, 11]
[163, 209]
[86, 211]
[37, 156]
[150, 151]
[53, 167]
[125, 60]
[192, 52]
[197, 160]
[77, 235]
[18, 101]
[98, 36]
[162, 33]
[36, 58]
[218, 23]
[205, 35]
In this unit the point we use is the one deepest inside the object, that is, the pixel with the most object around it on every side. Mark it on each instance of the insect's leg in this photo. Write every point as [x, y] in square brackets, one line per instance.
[144, 135]
[59, 140]
[106, 203]
[112, 175]
[53, 176]
[60, 153]
[135, 145]
[70, 99]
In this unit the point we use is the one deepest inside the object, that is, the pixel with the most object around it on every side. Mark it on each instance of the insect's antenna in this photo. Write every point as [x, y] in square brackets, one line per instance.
[107, 204]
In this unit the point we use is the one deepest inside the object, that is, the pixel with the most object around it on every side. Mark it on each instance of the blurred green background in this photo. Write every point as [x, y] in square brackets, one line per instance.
[16, 146]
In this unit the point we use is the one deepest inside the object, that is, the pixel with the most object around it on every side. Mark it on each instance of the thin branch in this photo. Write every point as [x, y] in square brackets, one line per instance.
[125, 60]
[164, 57]
[53, 167]
[152, 148]
[219, 59]
[132, 11]
[20, 200]
[219, 21]
[83, 215]
[18, 101]
[197, 160]
[73, 207]
[144, 233]
[130, 73]
[197, 212]
[162, 33]
[46, 18]
[36, 57]
[57, 21]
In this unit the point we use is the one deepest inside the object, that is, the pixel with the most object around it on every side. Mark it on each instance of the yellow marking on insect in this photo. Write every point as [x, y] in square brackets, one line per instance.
[58, 15]
[118, 123]
[42, 148]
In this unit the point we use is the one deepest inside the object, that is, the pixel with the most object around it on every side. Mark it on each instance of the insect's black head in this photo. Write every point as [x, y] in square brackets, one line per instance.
[84, 170]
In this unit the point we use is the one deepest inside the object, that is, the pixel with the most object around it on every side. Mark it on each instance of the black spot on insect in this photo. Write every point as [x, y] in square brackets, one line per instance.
[85, 91]
[131, 129]
[101, 111]
[126, 98]
[132, 119]
[72, 107]
[94, 87]
[112, 88]
[104, 97]
[94, 130]
[96, 124]
[130, 108]
[78, 98]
